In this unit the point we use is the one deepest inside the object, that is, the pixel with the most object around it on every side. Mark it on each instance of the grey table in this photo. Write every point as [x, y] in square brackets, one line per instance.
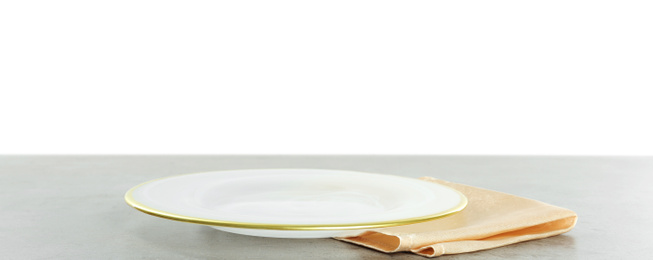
[71, 207]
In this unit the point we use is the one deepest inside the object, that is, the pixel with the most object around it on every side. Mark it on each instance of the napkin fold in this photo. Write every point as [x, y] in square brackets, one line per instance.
[491, 219]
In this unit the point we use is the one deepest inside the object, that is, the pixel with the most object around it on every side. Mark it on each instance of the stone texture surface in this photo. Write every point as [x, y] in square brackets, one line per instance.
[71, 207]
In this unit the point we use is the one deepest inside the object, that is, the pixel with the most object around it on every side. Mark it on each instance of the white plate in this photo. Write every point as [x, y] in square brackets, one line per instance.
[295, 203]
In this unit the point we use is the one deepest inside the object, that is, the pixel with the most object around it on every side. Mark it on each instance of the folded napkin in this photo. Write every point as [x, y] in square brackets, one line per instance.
[491, 219]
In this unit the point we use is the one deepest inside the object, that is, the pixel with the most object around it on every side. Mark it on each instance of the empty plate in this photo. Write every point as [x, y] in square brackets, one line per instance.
[295, 203]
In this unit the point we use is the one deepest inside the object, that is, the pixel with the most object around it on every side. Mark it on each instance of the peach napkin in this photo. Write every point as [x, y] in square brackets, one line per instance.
[491, 219]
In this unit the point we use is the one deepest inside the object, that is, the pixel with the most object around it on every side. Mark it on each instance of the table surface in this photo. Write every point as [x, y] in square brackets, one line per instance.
[72, 207]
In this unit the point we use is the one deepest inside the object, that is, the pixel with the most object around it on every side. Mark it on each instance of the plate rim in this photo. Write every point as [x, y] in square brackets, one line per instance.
[131, 201]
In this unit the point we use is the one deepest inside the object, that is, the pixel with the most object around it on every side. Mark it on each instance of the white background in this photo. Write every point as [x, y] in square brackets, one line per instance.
[326, 77]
